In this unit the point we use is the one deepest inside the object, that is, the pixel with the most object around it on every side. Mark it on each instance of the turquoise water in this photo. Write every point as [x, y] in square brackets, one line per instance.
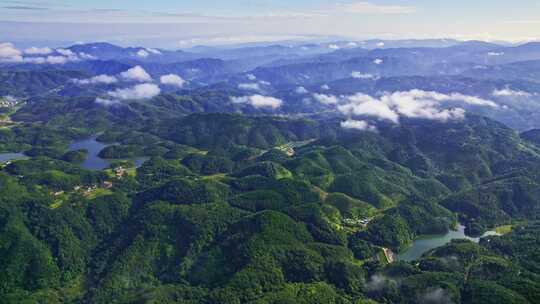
[5, 157]
[423, 245]
[93, 161]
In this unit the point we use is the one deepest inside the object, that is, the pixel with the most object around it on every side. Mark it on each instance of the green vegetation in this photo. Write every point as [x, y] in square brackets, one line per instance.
[223, 212]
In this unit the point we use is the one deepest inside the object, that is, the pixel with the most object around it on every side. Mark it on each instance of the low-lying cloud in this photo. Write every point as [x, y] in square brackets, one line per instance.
[106, 102]
[172, 80]
[137, 74]
[100, 79]
[38, 51]
[140, 91]
[259, 101]
[301, 90]
[436, 296]
[8, 53]
[249, 86]
[34, 55]
[379, 282]
[360, 125]
[410, 104]
[510, 93]
[365, 105]
[143, 53]
[326, 99]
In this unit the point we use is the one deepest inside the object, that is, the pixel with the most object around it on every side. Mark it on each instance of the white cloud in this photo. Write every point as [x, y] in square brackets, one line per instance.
[364, 105]
[35, 60]
[378, 61]
[380, 44]
[437, 295]
[301, 90]
[495, 54]
[50, 60]
[266, 83]
[429, 95]
[143, 53]
[136, 74]
[421, 104]
[251, 77]
[66, 52]
[8, 53]
[361, 125]
[38, 51]
[86, 56]
[334, 47]
[378, 282]
[412, 104]
[249, 86]
[510, 93]
[326, 99]
[56, 59]
[100, 79]
[259, 101]
[106, 102]
[140, 91]
[352, 44]
[172, 80]
[325, 87]
[360, 75]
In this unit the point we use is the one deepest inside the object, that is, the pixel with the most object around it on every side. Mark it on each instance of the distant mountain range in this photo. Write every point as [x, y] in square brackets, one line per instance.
[502, 73]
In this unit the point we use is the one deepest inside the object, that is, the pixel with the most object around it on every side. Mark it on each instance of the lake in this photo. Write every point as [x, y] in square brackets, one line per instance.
[93, 161]
[5, 157]
[423, 245]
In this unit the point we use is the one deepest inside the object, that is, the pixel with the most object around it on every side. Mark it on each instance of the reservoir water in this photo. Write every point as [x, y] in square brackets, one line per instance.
[93, 161]
[5, 157]
[423, 245]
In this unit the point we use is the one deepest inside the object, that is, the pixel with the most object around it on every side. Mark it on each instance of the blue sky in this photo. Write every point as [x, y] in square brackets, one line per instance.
[169, 23]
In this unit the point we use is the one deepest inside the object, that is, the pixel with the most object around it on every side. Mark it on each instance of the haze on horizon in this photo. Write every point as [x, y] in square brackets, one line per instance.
[174, 24]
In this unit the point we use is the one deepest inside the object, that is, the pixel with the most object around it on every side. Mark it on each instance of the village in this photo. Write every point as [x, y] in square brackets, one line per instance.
[91, 191]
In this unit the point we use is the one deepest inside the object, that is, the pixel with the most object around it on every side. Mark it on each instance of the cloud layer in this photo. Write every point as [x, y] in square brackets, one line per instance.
[172, 80]
[137, 74]
[100, 79]
[8, 53]
[326, 99]
[410, 104]
[360, 125]
[510, 93]
[38, 51]
[140, 91]
[34, 55]
[249, 86]
[259, 101]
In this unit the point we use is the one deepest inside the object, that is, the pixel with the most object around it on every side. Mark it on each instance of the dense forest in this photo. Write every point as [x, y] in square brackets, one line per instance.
[203, 194]
[237, 209]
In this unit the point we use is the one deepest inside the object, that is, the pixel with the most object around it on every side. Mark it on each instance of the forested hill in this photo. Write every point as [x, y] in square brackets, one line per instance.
[238, 209]
[271, 174]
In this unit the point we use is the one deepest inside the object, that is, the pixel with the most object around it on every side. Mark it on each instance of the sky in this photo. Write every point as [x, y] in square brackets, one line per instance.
[181, 23]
